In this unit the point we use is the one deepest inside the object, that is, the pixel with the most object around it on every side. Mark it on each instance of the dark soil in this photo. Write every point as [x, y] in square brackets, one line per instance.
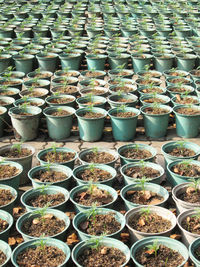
[95, 196]
[25, 113]
[138, 172]
[114, 82]
[94, 174]
[134, 153]
[188, 111]
[143, 197]
[196, 73]
[42, 200]
[3, 225]
[5, 197]
[47, 225]
[14, 153]
[60, 100]
[192, 224]
[58, 156]
[60, 113]
[6, 93]
[153, 100]
[63, 81]
[151, 90]
[100, 224]
[186, 169]
[149, 223]
[146, 82]
[122, 114]
[98, 157]
[190, 195]
[49, 176]
[122, 73]
[181, 152]
[103, 256]
[7, 171]
[2, 257]
[30, 103]
[91, 115]
[9, 83]
[174, 73]
[165, 257]
[149, 74]
[155, 111]
[48, 256]
[185, 100]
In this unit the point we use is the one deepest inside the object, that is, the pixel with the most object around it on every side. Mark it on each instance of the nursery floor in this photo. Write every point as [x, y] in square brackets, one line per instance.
[75, 143]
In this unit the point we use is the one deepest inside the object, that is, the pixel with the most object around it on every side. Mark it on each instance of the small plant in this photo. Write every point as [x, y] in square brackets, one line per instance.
[96, 241]
[181, 144]
[154, 247]
[195, 184]
[121, 109]
[197, 215]
[185, 165]
[40, 243]
[54, 147]
[23, 108]
[17, 147]
[42, 188]
[92, 167]
[142, 182]
[145, 212]
[48, 166]
[92, 212]
[95, 150]
[41, 213]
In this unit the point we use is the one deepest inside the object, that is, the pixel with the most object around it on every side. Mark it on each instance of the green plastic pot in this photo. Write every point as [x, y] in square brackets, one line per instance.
[163, 62]
[90, 129]
[48, 241]
[167, 147]
[59, 127]
[116, 60]
[33, 214]
[54, 167]
[69, 80]
[82, 216]
[181, 73]
[106, 241]
[8, 104]
[173, 100]
[25, 162]
[162, 240]
[71, 103]
[155, 188]
[5, 62]
[109, 151]
[164, 98]
[69, 163]
[130, 180]
[104, 167]
[98, 101]
[114, 100]
[47, 63]
[5, 248]
[155, 125]
[101, 74]
[186, 62]
[192, 248]
[71, 61]
[96, 62]
[14, 180]
[40, 103]
[4, 215]
[28, 93]
[34, 74]
[126, 73]
[124, 160]
[82, 188]
[25, 126]
[49, 190]
[187, 126]
[45, 84]
[124, 129]
[163, 212]
[187, 88]
[24, 63]
[140, 62]
[3, 112]
[10, 92]
[174, 178]
[9, 207]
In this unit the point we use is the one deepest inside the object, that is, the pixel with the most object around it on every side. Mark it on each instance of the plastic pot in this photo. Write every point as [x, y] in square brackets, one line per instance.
[97, 101]
[47, 63]
[164, 213]
[24, 63]
[164, 98]
[125, 160]
[192, 248]
[114, 100]
[130, 180]
[163, 62]
[9, 207]
[5, 248]
[25, 126]
[186, 62]
[48, 241]
[48, 75]
[4, 215]
[33, 215]
[155, 125]
[59, 127]
[25, 162]
[104, 167]
[3, 111]
[140, 62]
[90, 129]
[116, 60]
[162, 240]
[124, 129]
[82, 188]
[173, 100]
[96, 62]
[38, 102]
[45, 84]
[71, 61]
[71, 103]
[155, 188]
[54, 167]
[5, 62]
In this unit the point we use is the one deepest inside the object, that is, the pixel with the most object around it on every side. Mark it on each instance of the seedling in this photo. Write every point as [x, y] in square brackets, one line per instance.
[59, 110]
[145, 212]
[181, 144]
[197, 215]
[92, 167]
[54, 147]
[42, 188]
[23, 108]
[185, 164]
[48, 166]
[90, 97]
[17, 147]
[195, 184]
[41, 213]
[40, 243]
[121, 109]
[92, 212]
[142, 182]
[96, 241]
[154, 247]
[142, 165]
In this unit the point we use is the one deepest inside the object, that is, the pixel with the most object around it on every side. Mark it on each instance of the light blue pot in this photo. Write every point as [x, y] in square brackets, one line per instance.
[54, 167]
[40, 102]
[106, 241]
[193, 246]
[130, 180]
[188, 88]
[155, 125]
[163, 63]
[125, 160]
[173, 100]
[101, 101]
[24, 63]
[124, 129]
[162, 240]
[71, 103]
[82, 216]
[69, 163]
[4, 215]
[104, 167]
[33, 215]
[48, 241]
[82, 188]
[71, 61]
[158, 96]
[186, 64]
[155, 188]
[114, 100]
[90, 129]
[116, 60]
[3, 112]
[47, 64]
[9, 207]
[139, 62]
[96, 62]
[59, 127]
[50, 190]
[5, 248]
[187, 126]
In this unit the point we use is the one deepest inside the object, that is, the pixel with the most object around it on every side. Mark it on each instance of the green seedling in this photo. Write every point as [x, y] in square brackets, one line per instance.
[90, 97]
[92, 167]
[197, 215]
[41, 212]
[17, 147]
[43, 188]
[121, 108]
[142, 182]
[154, 247]
[41, 244]
[95, 150]
[185, 165]
[145, 212]
[181, 144]
[23, 108]
[195, 184]
[54, 147]
[92, 212]
[48, 166]
[96, 241]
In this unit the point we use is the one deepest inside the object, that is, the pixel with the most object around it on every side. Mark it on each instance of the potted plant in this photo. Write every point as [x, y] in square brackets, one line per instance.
[56, 117]
[5, 253]
[8, 197]
[3, 111]
[23, 62]
[6, 222]
[38, 73]
[185, 61]
[47, 61]
[154, 98]
[140, 59]
[70, 59]
[193, 252]
[60, 100]
[90, 99]
[119, 99]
